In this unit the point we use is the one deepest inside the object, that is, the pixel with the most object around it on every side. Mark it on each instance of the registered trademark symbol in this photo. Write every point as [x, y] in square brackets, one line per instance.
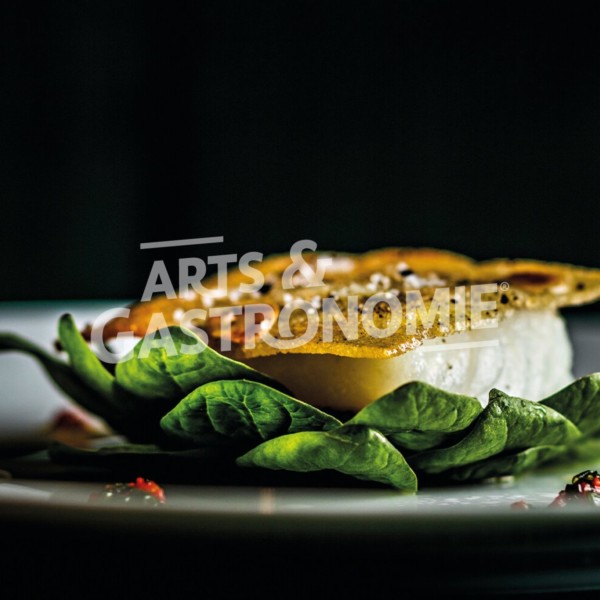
[504, 286]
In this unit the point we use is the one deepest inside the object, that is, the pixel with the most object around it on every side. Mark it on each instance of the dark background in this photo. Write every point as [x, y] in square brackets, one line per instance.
[471, 126]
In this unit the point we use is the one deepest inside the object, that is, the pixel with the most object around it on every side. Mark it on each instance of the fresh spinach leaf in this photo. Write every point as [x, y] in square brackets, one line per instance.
[416, 441]
[125, 449]
[579, 402]
[63, 376]
[419, 416]
[240, 410]
[355, 450]
[124, 410]
[149, 459]
[85, 363]
[174, 361]
[506, 464]
[89, 384]
[507, 423]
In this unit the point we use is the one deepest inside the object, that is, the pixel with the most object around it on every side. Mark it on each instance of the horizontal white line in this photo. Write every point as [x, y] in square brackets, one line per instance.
[191, 242]
[459, 346]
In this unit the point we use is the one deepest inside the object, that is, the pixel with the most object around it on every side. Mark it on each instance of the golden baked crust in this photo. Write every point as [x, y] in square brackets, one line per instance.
[522, 285]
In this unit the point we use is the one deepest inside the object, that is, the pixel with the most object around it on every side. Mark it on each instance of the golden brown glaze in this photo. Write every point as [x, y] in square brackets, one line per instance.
[522, 285]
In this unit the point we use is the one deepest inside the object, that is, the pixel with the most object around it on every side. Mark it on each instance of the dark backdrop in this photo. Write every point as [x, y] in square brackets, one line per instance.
[472, 126]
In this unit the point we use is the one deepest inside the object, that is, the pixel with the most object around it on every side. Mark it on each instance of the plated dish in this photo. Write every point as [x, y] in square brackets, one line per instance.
[380, 319]
[492, 546]
[222, 393]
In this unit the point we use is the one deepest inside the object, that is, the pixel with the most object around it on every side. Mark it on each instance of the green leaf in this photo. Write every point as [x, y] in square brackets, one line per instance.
[355, 450]
[506, 423]
[174, 361]
[419, 440]
[63, 375]
[125, 411]
[149, 459]
[119, 450]
[84, 362]
[506, 464]
[579, 402]
[240, 410]
[419, 416]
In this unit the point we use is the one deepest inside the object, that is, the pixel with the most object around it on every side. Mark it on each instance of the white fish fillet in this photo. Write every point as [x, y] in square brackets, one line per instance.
[528, 355]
